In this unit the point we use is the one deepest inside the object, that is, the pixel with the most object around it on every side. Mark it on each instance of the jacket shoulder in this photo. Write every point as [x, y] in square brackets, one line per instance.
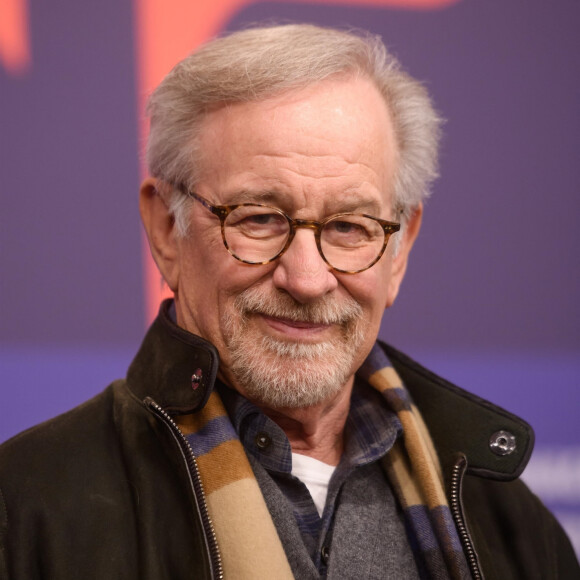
[62, 485]
[514, 534]
[58, 434]
[68, 449]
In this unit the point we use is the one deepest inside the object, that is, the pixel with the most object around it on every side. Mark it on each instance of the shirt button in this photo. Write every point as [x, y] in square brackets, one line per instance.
[263, 440]
[325, 553]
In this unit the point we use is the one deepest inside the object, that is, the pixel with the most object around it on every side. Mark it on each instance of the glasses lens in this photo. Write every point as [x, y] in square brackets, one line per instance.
[256, 233]
[352, 242]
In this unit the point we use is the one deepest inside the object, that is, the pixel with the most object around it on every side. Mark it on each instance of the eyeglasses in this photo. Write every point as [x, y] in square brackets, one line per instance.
[259, 234]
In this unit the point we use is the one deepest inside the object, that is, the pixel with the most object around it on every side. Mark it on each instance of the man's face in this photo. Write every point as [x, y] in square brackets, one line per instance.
[291, 333]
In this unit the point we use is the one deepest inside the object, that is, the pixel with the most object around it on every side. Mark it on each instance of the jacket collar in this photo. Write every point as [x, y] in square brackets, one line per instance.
[178, 370]
[496, 443]
[174, 367]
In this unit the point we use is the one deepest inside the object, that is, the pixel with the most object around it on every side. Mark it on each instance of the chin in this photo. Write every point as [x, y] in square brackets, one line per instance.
[280, 374]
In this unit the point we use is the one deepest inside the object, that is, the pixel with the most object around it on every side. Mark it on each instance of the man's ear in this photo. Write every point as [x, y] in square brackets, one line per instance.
[399, 266]
[160, 229]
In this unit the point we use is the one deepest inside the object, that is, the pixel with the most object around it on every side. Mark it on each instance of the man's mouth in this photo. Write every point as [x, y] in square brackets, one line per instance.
[294, 328]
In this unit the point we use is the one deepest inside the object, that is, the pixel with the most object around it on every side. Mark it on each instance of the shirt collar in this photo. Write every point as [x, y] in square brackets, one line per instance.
[370, 431]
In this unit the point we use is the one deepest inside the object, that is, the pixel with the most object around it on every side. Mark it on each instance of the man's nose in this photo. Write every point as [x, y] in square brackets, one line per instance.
[301, 271]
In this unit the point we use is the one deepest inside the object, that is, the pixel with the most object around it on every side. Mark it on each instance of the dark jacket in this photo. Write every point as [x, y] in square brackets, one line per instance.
[109, 490]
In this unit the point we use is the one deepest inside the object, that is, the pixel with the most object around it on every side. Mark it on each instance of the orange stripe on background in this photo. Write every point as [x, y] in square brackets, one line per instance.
[168, 30]
[14, 36]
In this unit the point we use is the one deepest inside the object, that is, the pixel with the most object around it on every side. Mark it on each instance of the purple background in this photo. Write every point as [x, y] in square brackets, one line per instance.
[491, 296]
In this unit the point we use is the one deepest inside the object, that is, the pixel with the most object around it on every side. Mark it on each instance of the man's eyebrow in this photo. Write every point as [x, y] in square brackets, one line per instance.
[353, 200]
[265, 196]
[344, 202]
[356, 204]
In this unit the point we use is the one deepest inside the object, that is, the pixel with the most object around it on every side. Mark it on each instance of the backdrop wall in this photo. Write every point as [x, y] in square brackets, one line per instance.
[491, 296]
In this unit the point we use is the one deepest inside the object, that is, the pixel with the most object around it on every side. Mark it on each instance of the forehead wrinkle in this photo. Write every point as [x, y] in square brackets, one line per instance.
[338, 166]
[287, 186]
[359, 187]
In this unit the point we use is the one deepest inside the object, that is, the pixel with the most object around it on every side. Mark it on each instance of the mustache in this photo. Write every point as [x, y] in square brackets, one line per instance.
[279, 304]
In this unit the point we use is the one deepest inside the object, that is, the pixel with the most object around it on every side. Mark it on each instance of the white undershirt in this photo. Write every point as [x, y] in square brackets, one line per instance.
[315, 475]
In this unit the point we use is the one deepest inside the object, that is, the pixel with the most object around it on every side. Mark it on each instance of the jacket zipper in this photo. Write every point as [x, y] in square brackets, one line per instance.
[457, 511]
[197, 487]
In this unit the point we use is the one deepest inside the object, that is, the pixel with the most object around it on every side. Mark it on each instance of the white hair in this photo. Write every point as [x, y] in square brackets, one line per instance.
[258, 63]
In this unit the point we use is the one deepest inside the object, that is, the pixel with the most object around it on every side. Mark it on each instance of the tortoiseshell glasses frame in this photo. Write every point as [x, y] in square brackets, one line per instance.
[387, 227]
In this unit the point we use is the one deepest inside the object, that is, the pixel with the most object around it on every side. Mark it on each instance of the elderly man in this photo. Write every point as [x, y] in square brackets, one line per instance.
[262, 432]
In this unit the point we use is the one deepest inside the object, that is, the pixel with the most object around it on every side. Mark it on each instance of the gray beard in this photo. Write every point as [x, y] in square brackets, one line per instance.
[278, 373]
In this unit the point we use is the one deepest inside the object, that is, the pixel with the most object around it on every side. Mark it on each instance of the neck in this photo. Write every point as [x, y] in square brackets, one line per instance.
[316, 431]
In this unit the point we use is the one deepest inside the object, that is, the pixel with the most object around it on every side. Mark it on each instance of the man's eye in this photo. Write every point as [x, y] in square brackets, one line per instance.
[346, 227]
[259, 224]
[350, 233]
[263, 219]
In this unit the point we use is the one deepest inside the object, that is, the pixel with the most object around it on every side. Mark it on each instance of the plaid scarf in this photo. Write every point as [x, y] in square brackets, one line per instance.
[246, 535]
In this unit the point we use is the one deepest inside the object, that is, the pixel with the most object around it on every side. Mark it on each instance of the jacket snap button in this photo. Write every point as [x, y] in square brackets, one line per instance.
[263, 441]
[502, 443]
[196, 379]
[325, 553]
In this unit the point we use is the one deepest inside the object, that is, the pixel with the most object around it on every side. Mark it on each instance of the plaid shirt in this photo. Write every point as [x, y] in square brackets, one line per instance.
[371, 430]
